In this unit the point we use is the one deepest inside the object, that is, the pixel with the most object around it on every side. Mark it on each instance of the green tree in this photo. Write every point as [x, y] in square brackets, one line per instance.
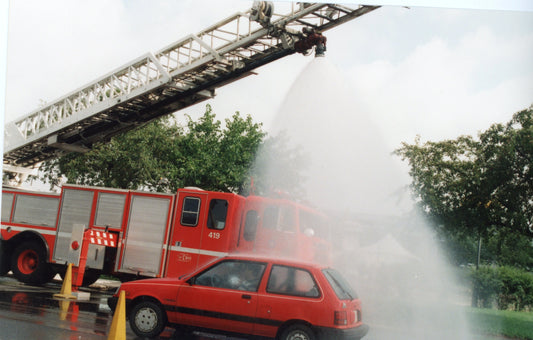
[217, 159]
[479, 188]
[164, 156]
[277, 167]
[142, 158]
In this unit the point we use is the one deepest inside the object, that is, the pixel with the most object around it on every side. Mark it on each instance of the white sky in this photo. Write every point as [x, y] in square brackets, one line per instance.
[435, 72]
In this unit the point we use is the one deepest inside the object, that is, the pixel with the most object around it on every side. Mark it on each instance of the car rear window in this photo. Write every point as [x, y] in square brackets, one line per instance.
[341, 287]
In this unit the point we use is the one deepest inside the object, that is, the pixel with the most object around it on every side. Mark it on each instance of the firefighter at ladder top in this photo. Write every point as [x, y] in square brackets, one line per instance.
[309, 39]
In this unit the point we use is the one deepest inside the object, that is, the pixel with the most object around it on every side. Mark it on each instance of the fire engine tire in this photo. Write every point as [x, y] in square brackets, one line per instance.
[147, 319]
[29, 264]
[89, 277]
[297, 332]
[4, 259]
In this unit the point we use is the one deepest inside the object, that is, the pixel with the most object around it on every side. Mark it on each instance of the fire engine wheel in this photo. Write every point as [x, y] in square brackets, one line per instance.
[4, 259]
[29, 264]
[147, 319]
[298, 332]
[89, 277]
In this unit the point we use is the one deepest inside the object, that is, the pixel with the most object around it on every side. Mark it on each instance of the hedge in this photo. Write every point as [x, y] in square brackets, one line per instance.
[505, 288]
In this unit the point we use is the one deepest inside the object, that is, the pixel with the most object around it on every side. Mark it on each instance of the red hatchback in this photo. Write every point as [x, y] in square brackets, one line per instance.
[248, 296]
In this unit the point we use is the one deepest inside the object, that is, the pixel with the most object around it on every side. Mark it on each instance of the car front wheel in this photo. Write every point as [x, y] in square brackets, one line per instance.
[147, 319]
[298, 332]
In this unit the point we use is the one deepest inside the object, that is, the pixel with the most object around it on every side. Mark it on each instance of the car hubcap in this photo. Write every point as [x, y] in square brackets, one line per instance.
[146, 319]
[298, 335]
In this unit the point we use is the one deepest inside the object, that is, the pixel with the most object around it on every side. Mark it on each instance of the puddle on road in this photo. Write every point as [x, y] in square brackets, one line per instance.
[31, 312]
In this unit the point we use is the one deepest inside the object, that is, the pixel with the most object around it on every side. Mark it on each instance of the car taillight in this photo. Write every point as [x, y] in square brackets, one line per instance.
[341, 318]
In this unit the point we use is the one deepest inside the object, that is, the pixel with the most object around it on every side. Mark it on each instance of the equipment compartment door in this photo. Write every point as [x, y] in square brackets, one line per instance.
[76, 205]
[148, 222]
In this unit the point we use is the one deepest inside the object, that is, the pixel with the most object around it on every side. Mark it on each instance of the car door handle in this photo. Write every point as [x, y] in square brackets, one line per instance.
[246, 296]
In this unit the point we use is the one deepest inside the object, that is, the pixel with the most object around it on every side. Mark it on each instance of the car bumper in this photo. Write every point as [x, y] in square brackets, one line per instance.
[355, 333]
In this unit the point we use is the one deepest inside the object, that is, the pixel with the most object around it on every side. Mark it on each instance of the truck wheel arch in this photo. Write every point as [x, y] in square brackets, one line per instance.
[148, 307]
[8, 246]
[294, 323]
[29, 259]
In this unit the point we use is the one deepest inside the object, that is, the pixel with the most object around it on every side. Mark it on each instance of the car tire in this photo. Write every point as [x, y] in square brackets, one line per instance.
[29, 264]
[147, 319]
[298, 332]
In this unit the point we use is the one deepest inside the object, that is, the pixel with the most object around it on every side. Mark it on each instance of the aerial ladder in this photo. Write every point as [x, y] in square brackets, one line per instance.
[175, 77]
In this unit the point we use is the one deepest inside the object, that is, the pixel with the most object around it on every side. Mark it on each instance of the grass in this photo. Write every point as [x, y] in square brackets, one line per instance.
[514, 325]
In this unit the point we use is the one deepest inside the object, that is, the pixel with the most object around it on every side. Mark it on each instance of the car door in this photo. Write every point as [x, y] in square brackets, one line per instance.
[291, 293]
[223, 297]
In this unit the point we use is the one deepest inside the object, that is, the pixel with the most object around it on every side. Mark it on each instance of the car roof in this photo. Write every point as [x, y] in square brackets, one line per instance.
[275, 260]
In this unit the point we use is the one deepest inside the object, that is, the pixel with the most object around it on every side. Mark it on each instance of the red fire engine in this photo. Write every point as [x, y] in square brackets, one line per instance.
[157, 234]
[154, 234]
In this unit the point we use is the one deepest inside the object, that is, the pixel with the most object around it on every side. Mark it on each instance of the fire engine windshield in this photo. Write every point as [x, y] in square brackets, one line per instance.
[314, 223]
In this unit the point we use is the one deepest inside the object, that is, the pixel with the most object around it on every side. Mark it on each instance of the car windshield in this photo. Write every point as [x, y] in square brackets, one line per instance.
[341, 287]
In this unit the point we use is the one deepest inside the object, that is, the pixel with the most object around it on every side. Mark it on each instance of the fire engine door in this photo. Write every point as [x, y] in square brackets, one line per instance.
[199, 233]
[186, 238]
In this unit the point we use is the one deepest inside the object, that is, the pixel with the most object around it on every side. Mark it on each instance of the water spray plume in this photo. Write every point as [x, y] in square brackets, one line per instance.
[389, 253]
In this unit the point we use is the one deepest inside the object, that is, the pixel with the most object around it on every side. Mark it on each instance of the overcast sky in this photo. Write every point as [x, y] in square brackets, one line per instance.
[435, 72]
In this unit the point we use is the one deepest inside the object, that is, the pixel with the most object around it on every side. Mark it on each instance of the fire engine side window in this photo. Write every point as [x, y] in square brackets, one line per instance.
[278, 218]
[7, 203]
[218, 211]
[286, 220]
[270, 217]
[312, 224]
[110, 209]
[250, 225]
[190, 211]
[36, 210]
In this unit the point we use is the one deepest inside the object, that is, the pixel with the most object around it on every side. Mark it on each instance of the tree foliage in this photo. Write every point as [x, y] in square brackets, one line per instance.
[479, 187]
[164, 156]
[278, 166]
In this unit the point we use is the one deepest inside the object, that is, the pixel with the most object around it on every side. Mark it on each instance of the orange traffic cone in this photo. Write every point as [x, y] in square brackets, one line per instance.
[66, 289]
[118, 325]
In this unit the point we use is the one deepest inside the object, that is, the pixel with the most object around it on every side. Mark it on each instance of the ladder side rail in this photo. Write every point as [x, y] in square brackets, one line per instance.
[139, 76]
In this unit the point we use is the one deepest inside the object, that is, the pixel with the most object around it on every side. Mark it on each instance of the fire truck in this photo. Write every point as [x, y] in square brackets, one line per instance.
[141, 234]
[154, 234]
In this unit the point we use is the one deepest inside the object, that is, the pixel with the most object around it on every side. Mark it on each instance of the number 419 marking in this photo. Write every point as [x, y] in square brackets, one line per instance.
[213, 235]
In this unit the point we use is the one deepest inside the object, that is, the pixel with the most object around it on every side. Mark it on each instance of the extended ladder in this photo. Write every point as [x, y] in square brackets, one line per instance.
[181, 74]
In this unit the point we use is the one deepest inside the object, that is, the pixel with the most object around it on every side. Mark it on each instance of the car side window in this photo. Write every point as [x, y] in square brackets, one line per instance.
[232, 274]
[292, 281]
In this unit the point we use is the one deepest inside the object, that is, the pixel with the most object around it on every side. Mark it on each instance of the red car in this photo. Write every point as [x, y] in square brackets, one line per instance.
[248, 296]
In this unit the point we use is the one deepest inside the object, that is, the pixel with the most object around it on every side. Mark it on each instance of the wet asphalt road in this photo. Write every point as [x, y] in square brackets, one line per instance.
[28, 312]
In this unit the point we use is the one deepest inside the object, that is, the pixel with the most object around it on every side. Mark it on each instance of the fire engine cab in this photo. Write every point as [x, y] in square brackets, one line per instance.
[154, 234]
